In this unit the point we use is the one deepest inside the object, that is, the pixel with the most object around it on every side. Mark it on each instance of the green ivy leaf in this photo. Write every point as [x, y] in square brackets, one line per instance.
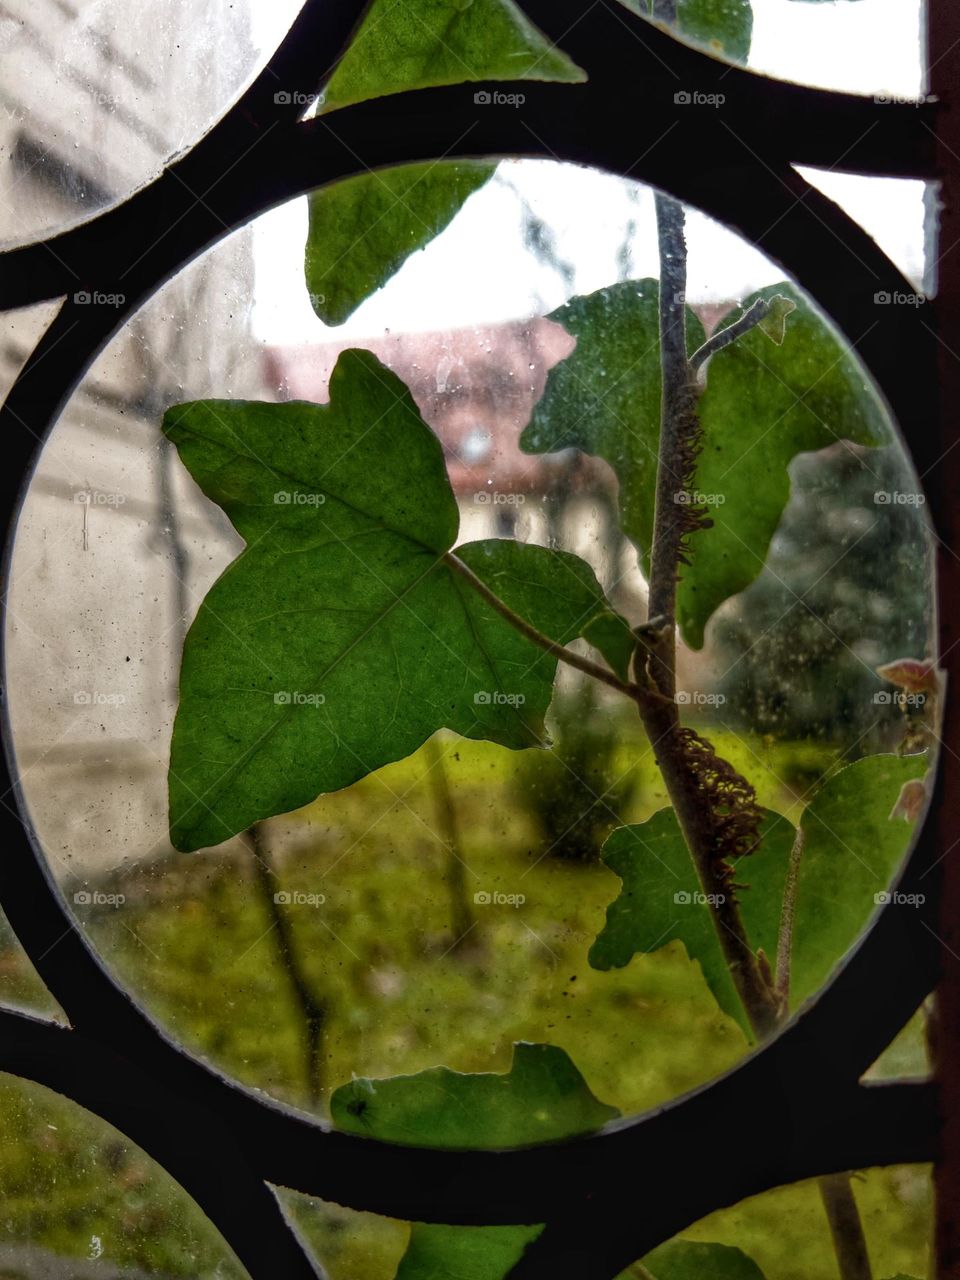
[542, 1098]
[661, 901]
[612, 635]
[436, 1252]
[415, 44]
[852, 849]
[763, 404]
[690, 1260]
[604, 398]
[340, 639]
[722, 26]
[363, 229]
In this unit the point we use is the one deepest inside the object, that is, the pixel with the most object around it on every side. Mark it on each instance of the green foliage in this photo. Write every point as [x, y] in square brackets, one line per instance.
[363, 229]
[579, 790]
[691, 1260]
[612, 635]
[843, 590]
[763, 404]
[463, 1253]
[774, 323]
[414, 44]
[605, 397]
[661, 900]
[722, 26]
[67, 1178]
[852, 849]
[542, 1097]
[341, 639]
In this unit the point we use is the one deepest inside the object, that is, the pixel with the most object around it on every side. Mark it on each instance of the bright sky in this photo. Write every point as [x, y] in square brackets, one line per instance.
[478, 272]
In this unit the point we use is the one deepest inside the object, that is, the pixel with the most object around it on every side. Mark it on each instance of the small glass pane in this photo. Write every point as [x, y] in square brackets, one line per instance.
[20, 984]
[79, 1199]
[97, 98]
[873, 47]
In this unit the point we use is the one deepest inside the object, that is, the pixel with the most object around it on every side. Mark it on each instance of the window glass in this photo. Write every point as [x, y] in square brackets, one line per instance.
[80, 1200]
[97, 99]
[455, 901]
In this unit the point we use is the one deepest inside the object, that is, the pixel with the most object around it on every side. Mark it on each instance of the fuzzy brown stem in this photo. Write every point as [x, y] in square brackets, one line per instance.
[707, 834]
[787, 913]
[679, 431]
[718, 825]
[698, 824]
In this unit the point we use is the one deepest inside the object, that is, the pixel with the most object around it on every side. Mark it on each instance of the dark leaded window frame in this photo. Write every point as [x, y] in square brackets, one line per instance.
[796, 1107]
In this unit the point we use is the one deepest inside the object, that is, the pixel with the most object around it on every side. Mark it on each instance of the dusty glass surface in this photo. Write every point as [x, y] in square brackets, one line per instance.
[80, 1200]
[872, 47]
[97, 96]
[444, 907]
[782, 1232]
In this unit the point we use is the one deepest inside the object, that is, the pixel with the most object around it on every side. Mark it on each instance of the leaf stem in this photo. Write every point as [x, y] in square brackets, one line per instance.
[586, 665]
[787, 913]
[723, 337]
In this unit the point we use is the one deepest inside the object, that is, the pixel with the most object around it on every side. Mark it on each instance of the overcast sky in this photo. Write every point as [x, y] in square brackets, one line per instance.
[478, 272]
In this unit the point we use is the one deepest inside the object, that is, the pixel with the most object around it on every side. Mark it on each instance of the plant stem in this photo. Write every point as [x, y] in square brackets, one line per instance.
[723, 338]
[787, 912]
[640, 1271]
[836, 1190]
[537, 637]
[846, 1228]
[656, 657]
[696, 821]
[678, 433]
[314, 1010]
[462, 920]
[687, 763]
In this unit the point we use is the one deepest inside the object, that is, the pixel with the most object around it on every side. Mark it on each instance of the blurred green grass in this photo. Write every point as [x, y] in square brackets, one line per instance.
[195, 941]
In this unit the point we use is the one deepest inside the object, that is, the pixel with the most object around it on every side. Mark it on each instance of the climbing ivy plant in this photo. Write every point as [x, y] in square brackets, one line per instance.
[353, 626]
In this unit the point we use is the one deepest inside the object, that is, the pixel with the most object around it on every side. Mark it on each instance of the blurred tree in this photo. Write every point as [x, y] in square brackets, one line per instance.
[846, 587]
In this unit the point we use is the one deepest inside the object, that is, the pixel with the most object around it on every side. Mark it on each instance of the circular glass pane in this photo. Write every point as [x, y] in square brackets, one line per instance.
[466, 895]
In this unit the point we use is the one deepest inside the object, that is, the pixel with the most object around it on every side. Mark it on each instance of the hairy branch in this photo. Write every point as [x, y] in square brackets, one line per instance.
[716, 807]
[787, 912]
[675, 517]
